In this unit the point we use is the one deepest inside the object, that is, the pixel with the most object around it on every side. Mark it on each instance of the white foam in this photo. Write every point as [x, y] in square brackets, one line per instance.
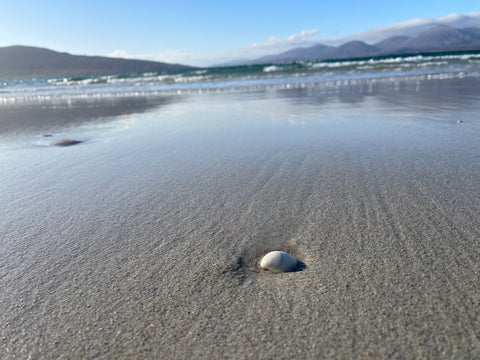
[270, 68]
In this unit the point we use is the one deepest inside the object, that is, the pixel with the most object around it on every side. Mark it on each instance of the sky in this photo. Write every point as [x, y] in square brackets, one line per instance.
[202, 32]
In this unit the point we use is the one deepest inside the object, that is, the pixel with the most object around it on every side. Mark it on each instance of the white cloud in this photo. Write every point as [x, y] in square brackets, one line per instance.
[301, 36]
[119, 54]
[271, 45]
[295, 40]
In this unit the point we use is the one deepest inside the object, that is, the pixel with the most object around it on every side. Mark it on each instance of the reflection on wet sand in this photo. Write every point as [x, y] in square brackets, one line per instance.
[46, 117]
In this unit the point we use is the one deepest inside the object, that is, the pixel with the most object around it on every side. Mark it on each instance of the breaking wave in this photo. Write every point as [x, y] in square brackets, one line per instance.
[297, 74]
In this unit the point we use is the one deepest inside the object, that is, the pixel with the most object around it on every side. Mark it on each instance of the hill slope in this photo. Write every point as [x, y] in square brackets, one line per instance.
[27, 62]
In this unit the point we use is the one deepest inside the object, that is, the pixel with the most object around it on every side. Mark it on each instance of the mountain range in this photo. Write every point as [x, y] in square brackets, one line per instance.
[441, 38]
[27, 62]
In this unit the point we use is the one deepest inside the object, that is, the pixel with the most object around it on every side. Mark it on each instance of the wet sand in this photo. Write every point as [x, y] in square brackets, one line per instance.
[143, 241]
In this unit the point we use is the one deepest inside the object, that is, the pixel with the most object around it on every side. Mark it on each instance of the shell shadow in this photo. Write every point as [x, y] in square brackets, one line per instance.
[300, 266]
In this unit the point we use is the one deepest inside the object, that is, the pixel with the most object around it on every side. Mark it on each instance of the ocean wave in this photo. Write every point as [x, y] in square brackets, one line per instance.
[241, 77]
[428, 60]
[271, 68]
[61, 97]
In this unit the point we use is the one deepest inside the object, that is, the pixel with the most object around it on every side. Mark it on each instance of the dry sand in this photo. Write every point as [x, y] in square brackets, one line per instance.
[146, 245]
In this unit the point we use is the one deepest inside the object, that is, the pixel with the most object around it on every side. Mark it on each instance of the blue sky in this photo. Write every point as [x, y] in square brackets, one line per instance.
[200, 32]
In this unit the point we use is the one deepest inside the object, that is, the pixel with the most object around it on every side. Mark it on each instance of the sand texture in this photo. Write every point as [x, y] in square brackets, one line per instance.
[144, 241]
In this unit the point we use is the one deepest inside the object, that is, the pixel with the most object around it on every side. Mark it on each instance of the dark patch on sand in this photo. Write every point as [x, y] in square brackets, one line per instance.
[68, 142]
[300, 266]
[236, 270]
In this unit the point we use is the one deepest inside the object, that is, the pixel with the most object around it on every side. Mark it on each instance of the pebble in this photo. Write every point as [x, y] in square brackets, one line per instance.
[278, 261]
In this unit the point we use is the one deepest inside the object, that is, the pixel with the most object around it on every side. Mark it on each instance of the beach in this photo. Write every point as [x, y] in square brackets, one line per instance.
[143, 240]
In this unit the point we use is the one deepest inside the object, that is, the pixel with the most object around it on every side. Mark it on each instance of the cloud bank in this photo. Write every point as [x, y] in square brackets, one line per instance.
[271, 45]
[304, 38]
[409, 28]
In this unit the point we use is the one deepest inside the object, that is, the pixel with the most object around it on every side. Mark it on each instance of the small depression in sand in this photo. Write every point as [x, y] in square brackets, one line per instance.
[68, 142]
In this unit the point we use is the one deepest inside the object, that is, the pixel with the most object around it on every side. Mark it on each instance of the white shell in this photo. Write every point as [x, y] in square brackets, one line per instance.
[278, 261]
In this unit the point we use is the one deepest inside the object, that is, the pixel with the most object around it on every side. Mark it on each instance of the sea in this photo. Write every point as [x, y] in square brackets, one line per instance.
[255, 77]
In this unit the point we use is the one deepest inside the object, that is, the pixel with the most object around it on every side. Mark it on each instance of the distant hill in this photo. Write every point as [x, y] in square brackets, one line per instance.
[27, 62]
[441, 38]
